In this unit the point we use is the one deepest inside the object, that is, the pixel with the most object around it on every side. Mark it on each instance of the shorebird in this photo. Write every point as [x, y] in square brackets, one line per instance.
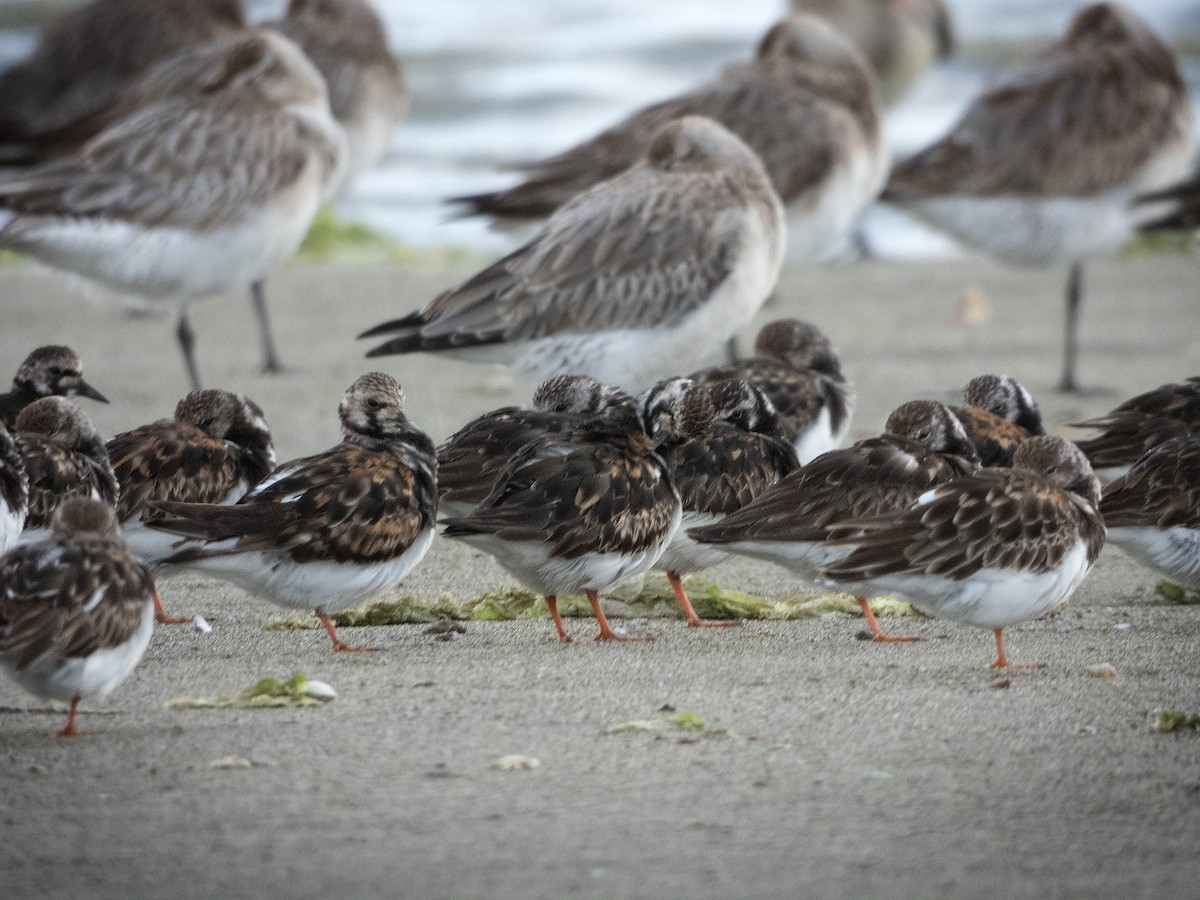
[209, 177]
[998, 414]
[214, 450]
[923, 445]
[14, 492]
[86, 63]
[1140, 424]
[64, 457]
[76, 610]
[346, 41]
[51, 371]
[723, 447]
[578, 513]
[642, 273]
[1153, 511]
[326, 532]
[992, 549]
[1046, 166]
[901, 39]
[805, 104]
[797, 368]
[471, 459]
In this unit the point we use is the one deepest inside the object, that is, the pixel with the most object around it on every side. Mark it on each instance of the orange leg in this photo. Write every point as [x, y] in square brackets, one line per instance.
[693, 620]
[70, 730]
[552, 605]
[338, 646]
[874, 624]
[606, 632]
[1002, 660]
[163, 619]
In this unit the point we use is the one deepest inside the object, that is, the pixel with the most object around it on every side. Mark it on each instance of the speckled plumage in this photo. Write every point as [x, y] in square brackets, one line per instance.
[52, 371]
[326, 531]
[76, 610]
[64, 457]
[14, 492]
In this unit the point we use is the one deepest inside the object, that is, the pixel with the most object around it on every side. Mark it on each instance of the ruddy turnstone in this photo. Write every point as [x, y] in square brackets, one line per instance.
[14, 492]
[216, 448]
[923, 445]
[796, 366]
[76, 610]
[474, 456]
[346, 41]
[1045, 166]
[1153, 511]
[998, 414]
[579, 512]
[1139, 424]
[722, 446]
[210, 177]
[51, 371]
[89, 59]
[644, 272]
[329, 531]
[64, 457]
[992, 549]
[900, 38]
[805, 105]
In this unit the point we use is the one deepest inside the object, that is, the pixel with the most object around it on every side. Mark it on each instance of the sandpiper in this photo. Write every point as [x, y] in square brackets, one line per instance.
[14, 492]
[998, 414]
[51, 371]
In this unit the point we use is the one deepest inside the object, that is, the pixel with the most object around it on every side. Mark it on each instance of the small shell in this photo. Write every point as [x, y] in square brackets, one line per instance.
[1102, 670]
[200, 624]
[515, 763]
[319, 690]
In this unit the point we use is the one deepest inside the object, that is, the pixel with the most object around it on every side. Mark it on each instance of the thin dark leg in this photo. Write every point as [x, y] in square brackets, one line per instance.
[1068, 381]
[187, 344]
[732, 353]
[258, 299]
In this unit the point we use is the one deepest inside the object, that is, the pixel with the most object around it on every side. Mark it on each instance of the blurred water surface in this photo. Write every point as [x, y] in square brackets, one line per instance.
[495, 83]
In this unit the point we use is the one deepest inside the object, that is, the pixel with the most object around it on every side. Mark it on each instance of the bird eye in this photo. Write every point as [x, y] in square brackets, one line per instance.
[373, 404]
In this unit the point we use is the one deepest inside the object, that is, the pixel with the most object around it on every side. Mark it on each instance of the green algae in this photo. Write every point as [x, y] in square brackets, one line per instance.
[1176, 593]
[267, 693]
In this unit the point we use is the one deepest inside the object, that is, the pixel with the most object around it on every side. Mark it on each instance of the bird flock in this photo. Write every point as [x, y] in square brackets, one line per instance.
[191, 159]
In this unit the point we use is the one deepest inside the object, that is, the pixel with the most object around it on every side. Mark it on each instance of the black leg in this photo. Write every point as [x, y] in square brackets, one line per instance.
[271, 363]
[187, 344]
[731, 350]
[1068, 382]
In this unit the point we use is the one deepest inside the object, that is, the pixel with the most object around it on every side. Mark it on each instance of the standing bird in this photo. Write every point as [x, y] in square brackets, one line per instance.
[51, 371]
[14, 492]
[1153, 511]
[579, 512]
[471, 459]
[87, 62]
[992, 549]
[1045, 167]
[1140, 424]
[76, 610]
[901, 39]
[325, 532]
[805, 105]
[64, 457]
[923, 445]
[209, 177]
[215, 449]
[346, 41]
[639, 274]
[723, 448]
[797, 368]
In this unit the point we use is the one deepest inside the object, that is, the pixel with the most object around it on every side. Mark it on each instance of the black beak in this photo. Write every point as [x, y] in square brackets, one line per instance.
[83, 389]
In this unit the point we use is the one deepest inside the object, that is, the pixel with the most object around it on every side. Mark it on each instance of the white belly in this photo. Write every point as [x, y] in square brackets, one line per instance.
[1174, 552]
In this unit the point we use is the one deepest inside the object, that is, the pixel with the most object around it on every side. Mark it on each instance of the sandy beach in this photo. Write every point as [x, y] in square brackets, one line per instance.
[825, 766]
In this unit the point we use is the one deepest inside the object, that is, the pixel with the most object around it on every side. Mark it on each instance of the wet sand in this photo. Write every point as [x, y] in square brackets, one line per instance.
[827, 767]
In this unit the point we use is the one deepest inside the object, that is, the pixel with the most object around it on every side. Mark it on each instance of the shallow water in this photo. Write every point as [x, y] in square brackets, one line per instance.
[495, 83]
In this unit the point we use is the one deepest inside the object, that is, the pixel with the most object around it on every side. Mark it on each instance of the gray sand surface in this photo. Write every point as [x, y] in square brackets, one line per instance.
[828, 767]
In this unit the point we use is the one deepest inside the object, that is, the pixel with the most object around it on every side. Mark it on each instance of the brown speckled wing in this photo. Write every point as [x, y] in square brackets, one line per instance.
[57, 473]
[169, 460]
[46, 588]
[1142, 422]
[1161, 491]
[995, 519]
[995, 439]
[611, 496]
[360, 502]
[872, 477]
[721, 472]
[471, 459]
